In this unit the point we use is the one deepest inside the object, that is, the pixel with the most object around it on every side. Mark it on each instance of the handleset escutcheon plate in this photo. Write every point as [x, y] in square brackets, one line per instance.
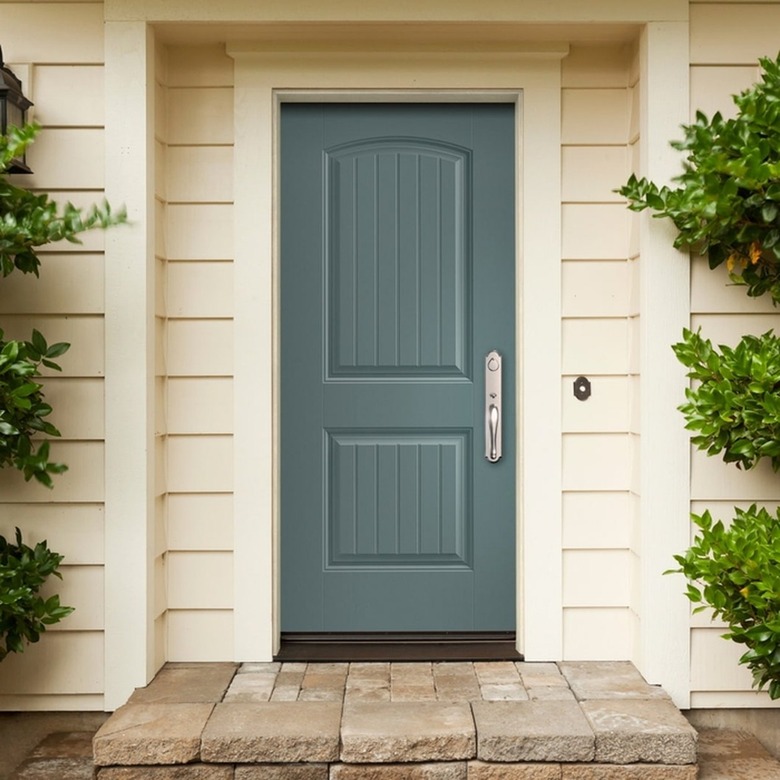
[493, 419]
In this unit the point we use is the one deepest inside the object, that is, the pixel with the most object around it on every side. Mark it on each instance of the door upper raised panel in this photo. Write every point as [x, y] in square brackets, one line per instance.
[397, 260]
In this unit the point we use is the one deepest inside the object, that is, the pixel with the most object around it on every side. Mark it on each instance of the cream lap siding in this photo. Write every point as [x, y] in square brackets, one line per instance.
[199, 353]
[737, 34]
[63, 75]
[161, 390]
[596, 279]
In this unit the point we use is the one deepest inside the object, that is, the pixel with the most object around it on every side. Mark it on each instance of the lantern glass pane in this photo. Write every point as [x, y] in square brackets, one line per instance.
[15, 115]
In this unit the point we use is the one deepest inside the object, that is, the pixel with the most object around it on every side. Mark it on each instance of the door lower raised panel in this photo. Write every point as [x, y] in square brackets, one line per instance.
[397, 279]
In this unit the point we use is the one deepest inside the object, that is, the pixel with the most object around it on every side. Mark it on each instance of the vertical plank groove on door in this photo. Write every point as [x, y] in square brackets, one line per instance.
[439, 264]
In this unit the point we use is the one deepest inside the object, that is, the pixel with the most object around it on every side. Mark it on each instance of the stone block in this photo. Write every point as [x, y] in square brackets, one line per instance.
[437, 771]
[251, 686]
[260, 667]
[503, 692]
[201, 684]
[273, 732]
[479, 770]
[608, 680]
[406, 731]
[633, 772]
[537, 668]
[550, 693]
[496, 672]
[407, 692]
[640, 730]
[149, 734]
[282, 772]
[286, 693]
[540, 731]
[186, 772]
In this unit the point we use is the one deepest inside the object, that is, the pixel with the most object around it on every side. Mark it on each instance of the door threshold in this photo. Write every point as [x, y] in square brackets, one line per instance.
[406, 646]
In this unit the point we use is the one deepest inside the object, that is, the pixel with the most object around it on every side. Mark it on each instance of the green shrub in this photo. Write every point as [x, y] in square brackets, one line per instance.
[734, 571]
[29, 221]
[734, 405]
[24, 614]
[23, 410]
[728, 203]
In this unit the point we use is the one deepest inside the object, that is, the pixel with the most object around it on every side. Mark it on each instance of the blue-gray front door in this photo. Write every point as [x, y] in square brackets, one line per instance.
[397, 279]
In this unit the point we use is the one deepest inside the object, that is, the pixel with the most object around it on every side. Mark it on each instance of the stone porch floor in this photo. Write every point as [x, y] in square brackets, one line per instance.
[381, 721]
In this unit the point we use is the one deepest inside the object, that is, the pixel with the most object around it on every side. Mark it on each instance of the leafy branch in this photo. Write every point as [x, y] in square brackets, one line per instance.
[727, 206]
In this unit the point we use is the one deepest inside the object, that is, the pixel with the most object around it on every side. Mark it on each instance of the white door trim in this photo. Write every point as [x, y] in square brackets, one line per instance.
[532, 79]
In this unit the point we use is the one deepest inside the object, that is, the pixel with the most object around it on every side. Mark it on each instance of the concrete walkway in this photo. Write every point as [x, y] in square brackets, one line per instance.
[418, 721]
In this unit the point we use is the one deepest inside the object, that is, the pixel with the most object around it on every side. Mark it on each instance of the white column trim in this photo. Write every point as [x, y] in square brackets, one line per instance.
[129, 362]
[664, 652]
[398, 76]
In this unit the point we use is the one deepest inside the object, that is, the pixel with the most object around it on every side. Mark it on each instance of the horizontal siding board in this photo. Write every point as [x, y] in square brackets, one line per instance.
[199, 66]
[199, 232]
[597, 634]
[729, 328]
[68, 284]
[81, 587]
[160, 604]
[594, 116]
[715, 662]
[731, 700]
[606, 410]
[200, 580]
[160, 169]
[596, 66]
[200, 405]
[200, 464]
[83, 333]
[733, 34]
[69, 703]
[78, 406]
[594, 288]
[33, 32]
[712, 479]
[67, 158]
[200, 174]
[69, 95]
[82, 482]
[596, 578]
[712, 88]
[590, 174]
[73, 530]
[92, 240]
[200, 635]
[200, 289]
[200, 116]
[595, 346]
[62, 662]
[596, 521]
[599, 462]
[712, 292]
[200, 521]
[160, 405]
[595, 231]
[197, 348]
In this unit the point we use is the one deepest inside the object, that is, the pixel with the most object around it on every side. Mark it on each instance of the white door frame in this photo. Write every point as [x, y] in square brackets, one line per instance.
[529, 77]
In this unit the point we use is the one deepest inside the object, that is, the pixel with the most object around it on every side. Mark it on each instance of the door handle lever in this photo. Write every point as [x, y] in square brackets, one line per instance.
[493, 406]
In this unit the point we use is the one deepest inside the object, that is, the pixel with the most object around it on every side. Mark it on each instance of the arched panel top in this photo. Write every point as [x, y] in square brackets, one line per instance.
[397, 214]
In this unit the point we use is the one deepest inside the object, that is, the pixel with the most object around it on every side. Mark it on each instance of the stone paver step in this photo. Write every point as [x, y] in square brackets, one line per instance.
[486, 720]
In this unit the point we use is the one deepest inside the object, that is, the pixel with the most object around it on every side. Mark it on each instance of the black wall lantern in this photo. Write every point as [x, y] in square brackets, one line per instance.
[13, 110]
